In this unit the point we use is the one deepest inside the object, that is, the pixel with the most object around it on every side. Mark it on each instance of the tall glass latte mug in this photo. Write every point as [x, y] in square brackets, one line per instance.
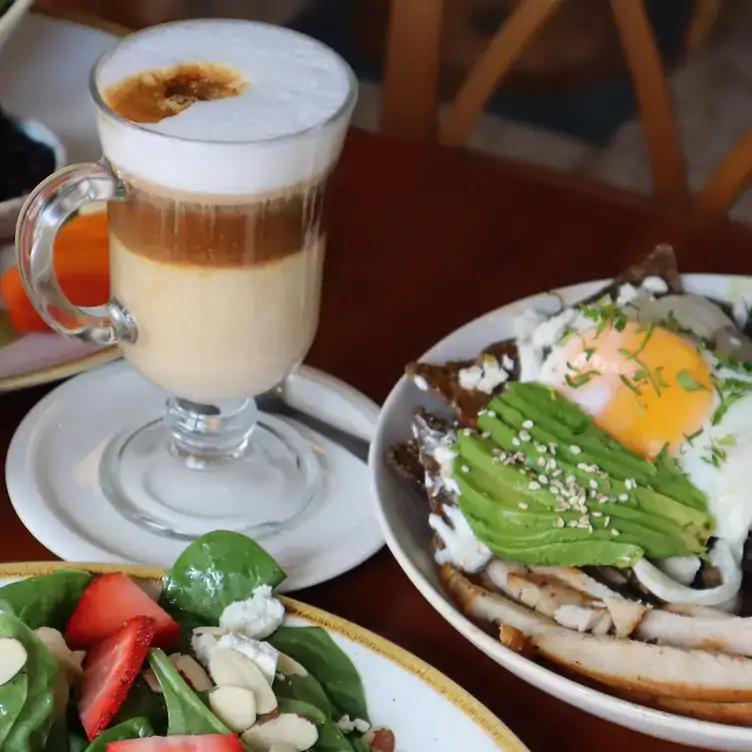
[218, 138]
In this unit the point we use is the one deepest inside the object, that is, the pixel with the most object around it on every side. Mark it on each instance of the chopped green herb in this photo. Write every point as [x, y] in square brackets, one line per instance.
[692, 436]
[627, 383]
[688, 382]
[589, 353]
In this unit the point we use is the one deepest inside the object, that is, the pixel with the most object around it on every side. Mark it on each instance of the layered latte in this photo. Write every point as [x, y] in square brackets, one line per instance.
[223, 133]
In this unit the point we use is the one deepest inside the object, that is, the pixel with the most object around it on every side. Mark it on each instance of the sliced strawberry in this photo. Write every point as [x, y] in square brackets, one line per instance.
[108, 602]
[109, 671]
[210, 743]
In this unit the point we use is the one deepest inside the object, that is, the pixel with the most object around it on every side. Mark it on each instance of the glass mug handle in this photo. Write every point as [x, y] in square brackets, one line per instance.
[50, 204]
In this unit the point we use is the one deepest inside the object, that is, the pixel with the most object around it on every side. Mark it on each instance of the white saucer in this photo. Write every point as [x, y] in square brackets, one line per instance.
[53, 462]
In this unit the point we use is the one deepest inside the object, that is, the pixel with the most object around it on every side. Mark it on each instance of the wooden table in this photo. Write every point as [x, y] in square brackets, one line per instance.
[423, 240]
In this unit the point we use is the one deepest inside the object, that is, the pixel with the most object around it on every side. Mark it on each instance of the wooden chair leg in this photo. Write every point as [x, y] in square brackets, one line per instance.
[518, 30]
[409, 91]
[654, 100]
[728, 181]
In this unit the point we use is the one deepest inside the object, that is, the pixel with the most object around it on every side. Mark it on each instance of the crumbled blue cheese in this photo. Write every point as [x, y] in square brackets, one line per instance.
[484, 377]
[256, 617]
[461, 548]
[347, 726]
[205, 641]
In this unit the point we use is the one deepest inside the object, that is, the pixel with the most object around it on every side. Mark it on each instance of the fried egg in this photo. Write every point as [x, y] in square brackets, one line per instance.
[646, 386]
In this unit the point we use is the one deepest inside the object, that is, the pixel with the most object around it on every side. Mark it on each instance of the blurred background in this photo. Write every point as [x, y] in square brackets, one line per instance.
[568, 103]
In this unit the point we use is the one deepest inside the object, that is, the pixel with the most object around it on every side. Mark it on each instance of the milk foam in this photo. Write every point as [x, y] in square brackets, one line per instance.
[269, 137]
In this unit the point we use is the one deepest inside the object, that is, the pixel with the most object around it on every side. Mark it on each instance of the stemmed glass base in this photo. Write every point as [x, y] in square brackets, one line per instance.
[210, 467]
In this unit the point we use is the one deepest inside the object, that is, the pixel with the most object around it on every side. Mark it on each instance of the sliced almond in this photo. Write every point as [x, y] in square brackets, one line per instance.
[229, 668]
[68, 660]
[194, 673]
[12, 658]
[288, 729]
[215, 631]
[174, 658]
[289, 666]
[234, 706]
[151, 681]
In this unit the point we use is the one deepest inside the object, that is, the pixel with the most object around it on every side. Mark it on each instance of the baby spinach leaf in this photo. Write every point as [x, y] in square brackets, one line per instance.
[47, 600]
[214, 571]
[314, 649]
[79, 743]
[331, 739]
[357, 743]
[185, 712]
[12, 700]
[136, 728]
[143, 702]
[303, 688]
[31, 726]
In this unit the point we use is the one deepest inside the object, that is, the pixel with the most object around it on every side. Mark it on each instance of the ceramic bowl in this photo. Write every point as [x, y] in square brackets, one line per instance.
[404, 520]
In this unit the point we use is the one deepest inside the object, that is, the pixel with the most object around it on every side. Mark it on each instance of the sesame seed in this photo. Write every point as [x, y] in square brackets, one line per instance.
[496, 450]
[624, 497]
[491, 414]
[607, 521]
[596, 513]
[570, 480]
[614, 531]
[543, 479]
[573, 523]
[583, 466]
[551, 464]
[466, 431]
[560, 522]
[553, 490]
[557, 473]
[516, 441]
[541, 448]
[583, 525]
[522, 505]
[630, 484]
[552, 448]
[541, 462]
[592, 494]
[593, 484]
[528, 424]
[575, 449]
[486, 434]
[533, 486]
[465, 469]
[524, 435]
[483, 412]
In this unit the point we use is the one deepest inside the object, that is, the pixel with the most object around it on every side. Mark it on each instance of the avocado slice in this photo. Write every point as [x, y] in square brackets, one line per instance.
[502, 520]
[655, 510]
[569, 425]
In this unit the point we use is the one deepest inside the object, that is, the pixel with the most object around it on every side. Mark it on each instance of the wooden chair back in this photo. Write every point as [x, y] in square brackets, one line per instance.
[410, 93]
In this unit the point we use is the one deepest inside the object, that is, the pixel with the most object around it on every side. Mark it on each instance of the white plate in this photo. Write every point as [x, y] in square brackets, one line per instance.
[44, 75]
[425, 709]
[52, 476]
[404, 520]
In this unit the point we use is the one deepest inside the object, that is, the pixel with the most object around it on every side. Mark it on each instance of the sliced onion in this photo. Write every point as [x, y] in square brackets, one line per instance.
[671, 591]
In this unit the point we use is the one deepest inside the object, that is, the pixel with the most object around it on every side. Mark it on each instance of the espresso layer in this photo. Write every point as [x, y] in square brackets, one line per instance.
[204, 231]
[153, 95]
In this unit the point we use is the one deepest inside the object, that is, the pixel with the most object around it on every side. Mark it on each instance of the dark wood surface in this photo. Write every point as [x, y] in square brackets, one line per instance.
[422, 240]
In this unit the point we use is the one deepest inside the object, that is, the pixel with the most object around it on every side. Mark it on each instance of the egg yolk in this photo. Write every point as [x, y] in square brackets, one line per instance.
[646, 386]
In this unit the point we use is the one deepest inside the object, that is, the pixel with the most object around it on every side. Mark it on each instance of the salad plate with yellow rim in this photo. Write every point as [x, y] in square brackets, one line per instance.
[205, 657]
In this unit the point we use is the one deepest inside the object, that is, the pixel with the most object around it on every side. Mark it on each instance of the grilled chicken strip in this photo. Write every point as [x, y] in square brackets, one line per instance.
[652, 669]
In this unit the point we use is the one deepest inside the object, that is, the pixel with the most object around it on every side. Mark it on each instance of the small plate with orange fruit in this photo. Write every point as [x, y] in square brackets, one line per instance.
[30, 352]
